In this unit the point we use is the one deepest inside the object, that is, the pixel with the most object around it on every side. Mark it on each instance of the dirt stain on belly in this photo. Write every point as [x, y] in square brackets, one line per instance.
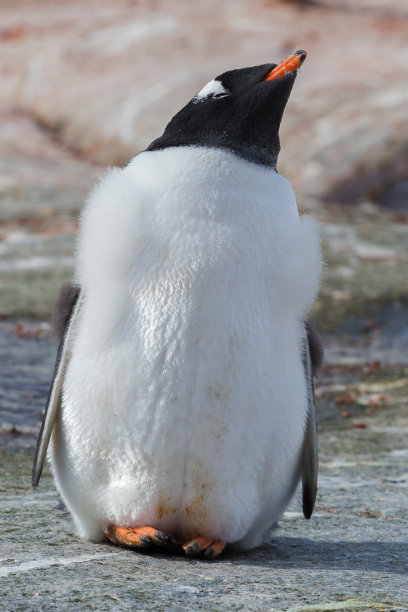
[164, 508]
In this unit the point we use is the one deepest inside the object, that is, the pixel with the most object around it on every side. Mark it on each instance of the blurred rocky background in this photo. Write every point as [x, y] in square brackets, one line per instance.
[86, 84]
[89, 84]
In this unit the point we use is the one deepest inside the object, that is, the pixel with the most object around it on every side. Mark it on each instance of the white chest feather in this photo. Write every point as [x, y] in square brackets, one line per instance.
[185, 398]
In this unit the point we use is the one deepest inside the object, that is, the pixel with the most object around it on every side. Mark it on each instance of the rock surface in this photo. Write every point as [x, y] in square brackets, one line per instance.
[104, 79]
[353, 554]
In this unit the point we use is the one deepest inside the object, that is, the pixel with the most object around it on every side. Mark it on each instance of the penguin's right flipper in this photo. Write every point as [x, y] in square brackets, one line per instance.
[68, 306]
[312, 358]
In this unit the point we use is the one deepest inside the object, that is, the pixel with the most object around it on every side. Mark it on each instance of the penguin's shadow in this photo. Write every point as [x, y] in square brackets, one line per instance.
[371, 555]
[304, 553]
[301, 553]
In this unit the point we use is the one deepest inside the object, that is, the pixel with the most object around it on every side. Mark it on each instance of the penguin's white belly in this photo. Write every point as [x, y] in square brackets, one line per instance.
[185, 398]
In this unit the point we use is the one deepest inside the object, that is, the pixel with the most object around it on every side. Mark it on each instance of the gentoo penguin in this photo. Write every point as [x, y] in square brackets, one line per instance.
[181, 408]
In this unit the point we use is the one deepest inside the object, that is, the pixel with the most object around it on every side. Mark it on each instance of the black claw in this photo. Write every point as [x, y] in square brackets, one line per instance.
[209, 552]
[160, 538]
[174, 545]
[146, 539]
[192, 549]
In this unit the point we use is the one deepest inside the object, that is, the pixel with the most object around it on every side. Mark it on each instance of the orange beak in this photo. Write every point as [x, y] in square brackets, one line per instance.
[288, 65]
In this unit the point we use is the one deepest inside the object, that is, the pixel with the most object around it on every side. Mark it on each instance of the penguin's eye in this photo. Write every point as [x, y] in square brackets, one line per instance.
[213, 89]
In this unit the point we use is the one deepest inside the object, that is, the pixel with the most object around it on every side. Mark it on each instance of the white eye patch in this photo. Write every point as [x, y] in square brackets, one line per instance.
[213, 88]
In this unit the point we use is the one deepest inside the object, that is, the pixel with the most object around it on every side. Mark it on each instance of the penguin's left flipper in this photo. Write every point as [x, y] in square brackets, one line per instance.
[312, 359]
[72, 306]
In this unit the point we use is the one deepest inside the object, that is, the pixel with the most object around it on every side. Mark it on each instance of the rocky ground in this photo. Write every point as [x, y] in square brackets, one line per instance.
[86, 84]
[352, 555]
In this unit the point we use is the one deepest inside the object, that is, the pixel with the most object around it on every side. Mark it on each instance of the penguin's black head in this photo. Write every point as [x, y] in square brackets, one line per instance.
[239, 110]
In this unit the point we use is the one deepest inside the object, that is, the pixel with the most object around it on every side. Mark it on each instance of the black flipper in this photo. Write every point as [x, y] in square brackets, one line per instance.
[315, 347]
[67, 298]
[55, 392]
[312, 359]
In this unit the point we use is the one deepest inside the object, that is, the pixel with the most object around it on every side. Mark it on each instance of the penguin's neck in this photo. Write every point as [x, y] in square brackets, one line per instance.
[195, 178]
[201, 169]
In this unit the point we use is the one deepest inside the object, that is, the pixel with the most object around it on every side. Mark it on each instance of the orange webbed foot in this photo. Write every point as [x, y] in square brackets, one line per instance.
[144, 537]
[201, 546]
[136, 537]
